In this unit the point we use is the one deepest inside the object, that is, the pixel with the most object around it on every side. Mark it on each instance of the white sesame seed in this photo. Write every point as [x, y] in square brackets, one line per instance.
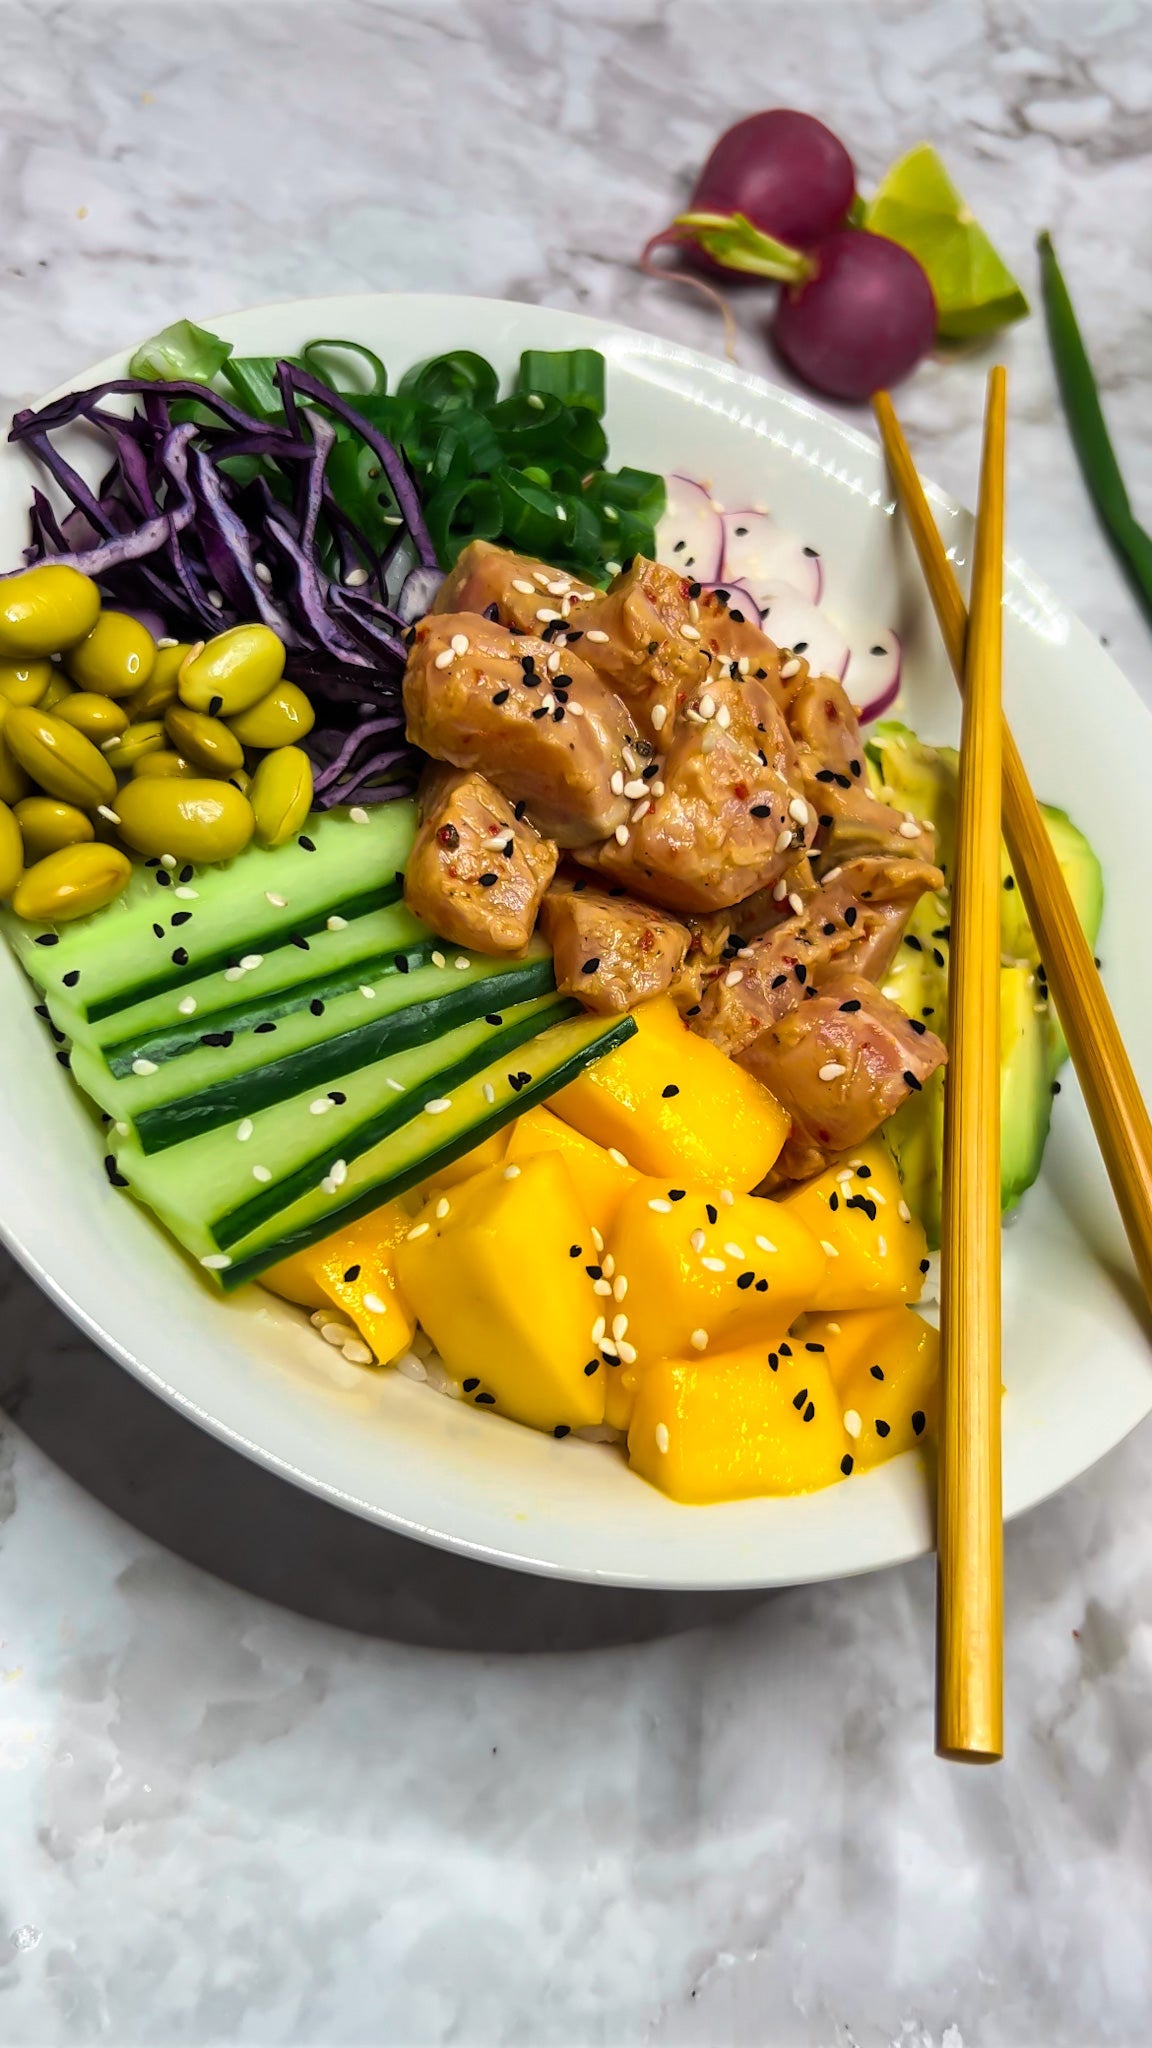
[727, 1196]
[561, 512]
[597, 1240]
[336, 924]
[594, 633]
[698, 1240]
[543, 577]
[733, 976]
[910, 830]
[784, 840]
[734, 1251]
[743, 665]
[358, 814]
[621, 835]
[374, 1305]
[369, 994]
[574, 710]
[798, 809]
[882, 1247]
[338, 1173]
[656, 787]
[714, 1265]
[832, 1070]
[261, 1173]
[635, 788]
[438, 1105]
[438, 960]
[216, 1261]
[627, 1352]
[707, 706]
[546, 616]
[852, 1422]
[320, 1106]
[244, 1129]
[397, 1085]
[187, 1006]
[357, 1353]
[661, 1435]
[353, 580]
[690, 632]
[216, 600]
[121, 1130]
[446, 659]
[765, 1244]
[641, 811]
[609, 1349]
[250, 961]
[461, 964]
[659, 711]
[459, 643]
[613, 569]
[107, 745]
[608, 1265]
[335, 1330]
[699, 1340]
[113, 817]
[418, 1230]
[442, 1208]
[168, 860]
[619, 1327]
[619, 1287]
[904, 1213]
[630, 761]
[829, 1250]
[277, 902]
[496, 841]
[601, 1287]
[525, 588]
[511, 1173]
[167, 641]
[186, 894]
[598, 1329]
[143, 1066]
[616, 783]
[489, 1092]
[779, 890]
[661, 1207]
[723, 718]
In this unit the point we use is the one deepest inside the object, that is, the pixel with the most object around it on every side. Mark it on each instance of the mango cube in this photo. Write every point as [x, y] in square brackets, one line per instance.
[885, 1368]
[600, 1181]
[355, 1270]
[671, 1103]
[488, 1153]
[728, 1427]
[495, 1271]
[874, 1244]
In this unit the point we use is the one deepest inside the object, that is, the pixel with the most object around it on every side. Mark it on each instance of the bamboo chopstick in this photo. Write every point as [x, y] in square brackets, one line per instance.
[1115, 1105]
[969, 1542]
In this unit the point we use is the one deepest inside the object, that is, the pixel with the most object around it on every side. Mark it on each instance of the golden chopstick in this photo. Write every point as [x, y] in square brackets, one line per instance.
[969, 1542]
[1117, 1109]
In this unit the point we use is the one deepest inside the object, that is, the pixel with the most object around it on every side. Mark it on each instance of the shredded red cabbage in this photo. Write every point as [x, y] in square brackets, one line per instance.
[208, 521]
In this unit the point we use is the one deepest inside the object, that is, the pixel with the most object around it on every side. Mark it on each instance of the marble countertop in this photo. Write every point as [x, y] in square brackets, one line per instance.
[271, 1776]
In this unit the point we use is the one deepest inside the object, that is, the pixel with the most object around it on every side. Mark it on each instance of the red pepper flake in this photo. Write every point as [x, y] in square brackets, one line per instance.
[448, 836]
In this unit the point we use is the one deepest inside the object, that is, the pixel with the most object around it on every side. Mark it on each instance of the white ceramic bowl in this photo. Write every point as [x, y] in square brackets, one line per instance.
[1077, 1365]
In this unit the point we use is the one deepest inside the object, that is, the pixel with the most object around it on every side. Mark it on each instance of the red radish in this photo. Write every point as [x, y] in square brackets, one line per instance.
[785, 171]
[690, 535]
[861, 321]
[872, 677]
[761, 555]
[740, 599]
[792, 621]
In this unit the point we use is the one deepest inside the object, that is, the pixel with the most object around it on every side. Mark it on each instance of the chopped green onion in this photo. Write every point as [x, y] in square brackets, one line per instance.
[575, 375]
[376, 389]
[181, 351]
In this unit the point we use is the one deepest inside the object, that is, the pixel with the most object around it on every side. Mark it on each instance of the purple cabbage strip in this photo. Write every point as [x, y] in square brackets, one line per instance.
[370, 729]
[389, 457]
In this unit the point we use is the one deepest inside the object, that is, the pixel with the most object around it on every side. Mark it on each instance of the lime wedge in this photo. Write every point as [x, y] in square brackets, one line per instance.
[917, 205]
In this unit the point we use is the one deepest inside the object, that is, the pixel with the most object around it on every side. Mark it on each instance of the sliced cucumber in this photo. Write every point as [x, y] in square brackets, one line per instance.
[150, 939]
[222, 1082]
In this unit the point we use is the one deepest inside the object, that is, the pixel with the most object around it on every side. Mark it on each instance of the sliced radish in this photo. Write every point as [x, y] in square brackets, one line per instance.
[690, 536]
[761, 555]
[791, 620]
[740, 597]
[872, 677]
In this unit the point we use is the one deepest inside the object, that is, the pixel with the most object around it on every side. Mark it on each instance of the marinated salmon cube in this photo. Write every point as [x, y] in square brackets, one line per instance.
[641, 635]
[533, 718]
[476, 872]
[527, 593]
[609, 951]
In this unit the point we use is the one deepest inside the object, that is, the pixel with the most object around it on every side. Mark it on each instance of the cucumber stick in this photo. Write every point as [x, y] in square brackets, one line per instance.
[151, 939]
[376, 1136]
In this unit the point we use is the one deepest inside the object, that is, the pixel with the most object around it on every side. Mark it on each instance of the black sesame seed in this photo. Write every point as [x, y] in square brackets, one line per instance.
[115, 1176]
[877, 1371]
[519, 809]
[181, 916]
[574, 1251]
[594, 1272]
[825, 819]
[918, 1421]
[938, 956]
[400, 963]
[187, 872]
[592, 1366]
[153, 861]
[164, 878]
[785, 1351]
[828, 930]
[669, 1091]
[59, 1036]
[863, 1173]
[913, 1083]
[264, 1027]
[316, 1007]
[736, 617]
[677, 1194]
[562, 1429]
[924, 1265]
[761, 1287]
[710, 1212]
[851, 1007]
[337, 1096]
[470, 1385]
[215, 706]
[493, 1017]
[778, 980]
[883, 1428]
[833, 1201]
[917, 1026]
[745, 1279]
[800, 971]
[679, 546]
[910, 939]
[72, 977]
[846, 1464]
[296, 940]
[488, 881]
[761, 810]
[799, 1399]
[1009, 881]
[774, 1361]
[353, 1273]
[485, 1400]
[159, 930]
[850, 915]
[591, 966]
[41, 1009]
[810, 1411]
[694, 1011]
[799, 647]
[501, 696]
[1055, 1087]
[813, 1347]
[309, 845]
[64, 1059]
[180, 956]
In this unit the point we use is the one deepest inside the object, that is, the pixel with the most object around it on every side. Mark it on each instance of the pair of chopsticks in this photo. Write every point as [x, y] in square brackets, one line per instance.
[969, 1686]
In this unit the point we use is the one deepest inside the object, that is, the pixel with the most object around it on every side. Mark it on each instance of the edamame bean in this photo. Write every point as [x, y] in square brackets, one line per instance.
[45, 609]
[280, 718]
[11, 851]
[13, 782]
[160, 690]
[98, 718]
[24, 682]
[58, 757]
[46, 825]
[165, 765]
[281, 794]
[133, 745]
[232, 671]
[199, 821]
[206, 741]
[241, 780]
[117, 658]
[70, 883]
[57, 690]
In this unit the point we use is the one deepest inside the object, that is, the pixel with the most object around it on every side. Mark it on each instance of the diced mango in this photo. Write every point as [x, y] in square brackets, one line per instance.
[884, 1365]
[600, 1181]
[355, 1270]
[874, 1244]
[489, 1153]
[670, 1102]
[723, 1428]
[703, 1274]
[499, 1283]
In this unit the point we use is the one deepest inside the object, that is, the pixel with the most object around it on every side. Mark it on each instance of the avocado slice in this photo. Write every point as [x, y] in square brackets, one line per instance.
[921, 778]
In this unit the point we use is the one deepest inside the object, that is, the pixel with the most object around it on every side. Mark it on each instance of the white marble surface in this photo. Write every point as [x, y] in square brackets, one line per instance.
[267, 1775]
